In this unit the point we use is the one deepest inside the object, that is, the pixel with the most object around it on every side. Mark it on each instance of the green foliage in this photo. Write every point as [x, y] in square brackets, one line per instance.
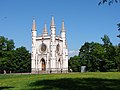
[91, 54]
[13, 60]
[97, 57]
[22, 60]
[74, 63]
[117, 57]
[5, 44]
[6, 49]
[106, 40]
[108, 1]
[118, 30]
[70, 81]
[110, 53]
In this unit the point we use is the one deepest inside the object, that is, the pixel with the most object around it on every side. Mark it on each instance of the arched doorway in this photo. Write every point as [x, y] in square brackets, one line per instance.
[43, 65]
[59, 64]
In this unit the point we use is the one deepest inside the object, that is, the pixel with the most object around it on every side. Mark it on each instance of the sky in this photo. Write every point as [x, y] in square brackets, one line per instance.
[85, 21]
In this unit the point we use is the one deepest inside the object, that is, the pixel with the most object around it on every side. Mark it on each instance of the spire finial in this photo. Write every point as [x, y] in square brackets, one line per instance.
[52, 22]
[63, 25]
[34, 24]
[45, 30]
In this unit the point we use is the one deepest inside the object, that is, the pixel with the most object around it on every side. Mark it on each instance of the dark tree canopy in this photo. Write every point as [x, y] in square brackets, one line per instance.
[13, 60]
[5, 44]
[109, 2]
[118, 30]
[6, 53]
[22, 60]
[97, 57]
[106, 40]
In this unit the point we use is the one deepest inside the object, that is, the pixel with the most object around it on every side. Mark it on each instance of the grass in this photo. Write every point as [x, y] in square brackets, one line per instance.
[70, 81]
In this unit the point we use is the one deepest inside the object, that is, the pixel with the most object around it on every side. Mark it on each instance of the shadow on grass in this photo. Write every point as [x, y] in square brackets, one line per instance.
[76, 84]
[5, 87]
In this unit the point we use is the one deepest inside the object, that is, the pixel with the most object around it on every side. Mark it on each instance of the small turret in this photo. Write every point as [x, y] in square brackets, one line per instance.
[63, 26]
[63, 33]
[53, 30]
[52, 22]
[45, 33]
[34, 25]
[34, 33]
[53, 42]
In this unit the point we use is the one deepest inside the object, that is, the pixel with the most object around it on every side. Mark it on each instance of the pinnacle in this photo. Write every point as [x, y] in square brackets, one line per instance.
[34, 25]
[52, 22]
[45, 30]
[63, 25]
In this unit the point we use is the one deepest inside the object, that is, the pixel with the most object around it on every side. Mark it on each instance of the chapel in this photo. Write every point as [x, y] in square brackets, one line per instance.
[49, 51]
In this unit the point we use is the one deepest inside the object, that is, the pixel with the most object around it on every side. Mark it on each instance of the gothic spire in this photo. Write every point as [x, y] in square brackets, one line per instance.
[52, 22]
[63, 33]
[45, 30]
[34, 25]
[63, 26]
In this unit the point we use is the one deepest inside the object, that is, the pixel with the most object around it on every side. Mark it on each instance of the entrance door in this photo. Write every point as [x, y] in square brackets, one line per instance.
[59, 64]
[43, 65]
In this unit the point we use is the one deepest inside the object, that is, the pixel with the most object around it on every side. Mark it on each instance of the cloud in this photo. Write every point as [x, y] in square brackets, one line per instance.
[72, 53]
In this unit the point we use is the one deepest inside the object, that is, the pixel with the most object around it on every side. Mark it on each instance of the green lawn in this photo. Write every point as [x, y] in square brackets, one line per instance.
[70, 81]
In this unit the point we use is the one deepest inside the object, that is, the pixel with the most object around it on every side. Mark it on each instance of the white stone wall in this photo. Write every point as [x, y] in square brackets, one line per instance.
[56, 60]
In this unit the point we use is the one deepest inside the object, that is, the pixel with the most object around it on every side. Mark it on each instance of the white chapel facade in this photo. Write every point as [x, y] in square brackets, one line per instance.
[49, 51]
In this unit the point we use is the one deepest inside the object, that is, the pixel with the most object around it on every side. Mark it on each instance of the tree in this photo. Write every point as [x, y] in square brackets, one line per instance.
[90, 55]
[22, 60]
[108, 1]
[106, 40]
[118, 30]
[5, 44]
[117, 58]
[110, 53]
[98, 57]
[6, 49]
[84, 53]
[97, 53]
[18, 60]
[74, 63]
